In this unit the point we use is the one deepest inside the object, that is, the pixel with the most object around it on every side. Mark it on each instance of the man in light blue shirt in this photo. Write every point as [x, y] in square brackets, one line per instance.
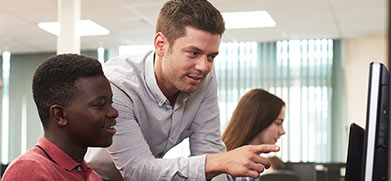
[170, 94]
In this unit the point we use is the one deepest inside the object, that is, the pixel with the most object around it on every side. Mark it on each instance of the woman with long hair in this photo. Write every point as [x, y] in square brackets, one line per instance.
[257, 119]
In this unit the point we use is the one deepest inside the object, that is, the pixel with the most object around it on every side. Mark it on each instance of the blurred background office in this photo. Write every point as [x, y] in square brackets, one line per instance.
[314, 54]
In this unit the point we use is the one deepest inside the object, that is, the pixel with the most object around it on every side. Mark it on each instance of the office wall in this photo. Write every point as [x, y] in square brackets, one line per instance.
[20, 95]
[359, 52]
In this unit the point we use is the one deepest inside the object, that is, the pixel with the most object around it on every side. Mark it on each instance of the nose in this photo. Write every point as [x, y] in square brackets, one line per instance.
[282, 131]
[202, 64]
[112, 113]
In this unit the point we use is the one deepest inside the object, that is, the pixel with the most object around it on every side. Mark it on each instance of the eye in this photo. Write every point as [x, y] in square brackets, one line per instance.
[193, 54]
[99, 105]
[211, 58]
[101, 102]
[278, 122]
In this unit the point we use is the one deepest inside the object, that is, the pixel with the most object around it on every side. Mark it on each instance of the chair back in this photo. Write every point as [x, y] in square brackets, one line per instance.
[283, 175]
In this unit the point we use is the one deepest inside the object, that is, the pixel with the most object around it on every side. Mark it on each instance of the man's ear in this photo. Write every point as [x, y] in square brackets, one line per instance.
[159, 42]
[57, 113]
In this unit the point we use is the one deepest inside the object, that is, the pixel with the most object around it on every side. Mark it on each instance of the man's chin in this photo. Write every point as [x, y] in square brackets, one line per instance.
[190, 90]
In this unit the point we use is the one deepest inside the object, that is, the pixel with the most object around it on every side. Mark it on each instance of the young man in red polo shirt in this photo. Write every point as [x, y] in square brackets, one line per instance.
[74, 100]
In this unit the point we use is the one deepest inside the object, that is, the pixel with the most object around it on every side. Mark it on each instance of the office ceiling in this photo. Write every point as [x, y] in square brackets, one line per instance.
[133, 21]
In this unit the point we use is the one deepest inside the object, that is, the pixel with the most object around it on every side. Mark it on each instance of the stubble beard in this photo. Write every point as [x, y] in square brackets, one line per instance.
[183, 86]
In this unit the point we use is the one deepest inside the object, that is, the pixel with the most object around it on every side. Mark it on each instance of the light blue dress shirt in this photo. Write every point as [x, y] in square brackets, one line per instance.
[148, 126]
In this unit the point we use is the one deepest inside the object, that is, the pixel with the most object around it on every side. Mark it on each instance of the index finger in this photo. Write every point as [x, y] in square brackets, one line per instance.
[266, 148]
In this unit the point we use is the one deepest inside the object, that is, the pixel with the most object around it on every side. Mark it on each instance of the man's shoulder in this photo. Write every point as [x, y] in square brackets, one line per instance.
[136, 61]
[31, 157]
[125, 67]
[28, 165]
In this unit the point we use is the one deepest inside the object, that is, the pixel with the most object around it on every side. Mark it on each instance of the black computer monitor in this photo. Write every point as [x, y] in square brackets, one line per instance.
[375, 150]
[354, 158]
[374, 157]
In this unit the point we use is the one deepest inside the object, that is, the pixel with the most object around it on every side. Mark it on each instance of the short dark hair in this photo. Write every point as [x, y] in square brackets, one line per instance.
[54, 80]
[175, 15]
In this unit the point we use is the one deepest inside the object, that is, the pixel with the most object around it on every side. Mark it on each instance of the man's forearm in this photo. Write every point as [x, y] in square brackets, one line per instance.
[244, 161]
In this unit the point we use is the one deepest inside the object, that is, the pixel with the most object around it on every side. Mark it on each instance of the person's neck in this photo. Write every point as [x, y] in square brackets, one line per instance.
[61, 140]
[171, 95]
[172, 99]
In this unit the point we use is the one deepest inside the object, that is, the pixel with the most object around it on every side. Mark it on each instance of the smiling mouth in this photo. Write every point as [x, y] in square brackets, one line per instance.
[110, 129]
[194, 77]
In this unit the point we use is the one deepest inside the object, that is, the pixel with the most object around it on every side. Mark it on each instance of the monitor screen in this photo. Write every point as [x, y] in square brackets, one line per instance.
[354, 158]
[375, 148]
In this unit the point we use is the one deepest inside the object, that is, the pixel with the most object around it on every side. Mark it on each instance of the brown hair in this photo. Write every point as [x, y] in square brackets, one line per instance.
[256, 110]
[175, 15]
[276, 163]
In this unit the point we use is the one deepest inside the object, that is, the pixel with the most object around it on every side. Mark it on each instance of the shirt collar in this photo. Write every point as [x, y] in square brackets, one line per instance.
[152, 82]
[58, 155]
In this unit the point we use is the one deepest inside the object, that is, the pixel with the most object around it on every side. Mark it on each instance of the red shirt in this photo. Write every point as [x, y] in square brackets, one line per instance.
[36, 165]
